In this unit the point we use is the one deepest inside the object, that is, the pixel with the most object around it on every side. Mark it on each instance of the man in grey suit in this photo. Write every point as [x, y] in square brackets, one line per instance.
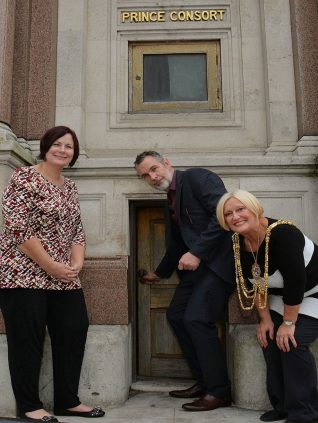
[201, 252]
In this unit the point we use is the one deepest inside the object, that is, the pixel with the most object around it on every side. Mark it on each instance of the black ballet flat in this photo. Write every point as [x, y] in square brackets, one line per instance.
[44, 419]
[96, 412]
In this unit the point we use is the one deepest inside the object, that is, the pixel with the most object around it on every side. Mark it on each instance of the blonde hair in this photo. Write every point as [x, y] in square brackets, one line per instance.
[248, 199]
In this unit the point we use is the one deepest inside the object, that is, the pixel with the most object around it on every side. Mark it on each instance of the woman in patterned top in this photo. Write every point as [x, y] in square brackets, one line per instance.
[277, 271]
[42, 252]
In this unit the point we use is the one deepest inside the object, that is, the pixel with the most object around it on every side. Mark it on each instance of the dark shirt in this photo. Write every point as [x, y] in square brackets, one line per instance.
[172, 200]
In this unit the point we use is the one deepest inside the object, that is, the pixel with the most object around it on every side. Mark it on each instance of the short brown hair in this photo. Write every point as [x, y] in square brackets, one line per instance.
[51, 135]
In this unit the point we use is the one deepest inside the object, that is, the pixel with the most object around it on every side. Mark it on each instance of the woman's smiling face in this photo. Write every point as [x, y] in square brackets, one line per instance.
[238, 217]
[61, 151]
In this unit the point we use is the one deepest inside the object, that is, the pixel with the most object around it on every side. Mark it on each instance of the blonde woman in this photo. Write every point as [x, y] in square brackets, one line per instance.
[277, 272]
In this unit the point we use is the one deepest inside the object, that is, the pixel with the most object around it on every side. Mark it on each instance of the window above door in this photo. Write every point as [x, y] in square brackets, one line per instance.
[175, 77]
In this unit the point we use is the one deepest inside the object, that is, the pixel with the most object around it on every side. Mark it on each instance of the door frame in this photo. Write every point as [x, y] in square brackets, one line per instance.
[134, 205]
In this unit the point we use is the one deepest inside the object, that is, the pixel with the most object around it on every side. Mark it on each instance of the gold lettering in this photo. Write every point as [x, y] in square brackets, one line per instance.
[161, 16]
[181, 15]
[124, 16]
[133, 17]
[197, 15]
[205, 15]
[144, 16]
[213, 15]
[189, 15]
[153, 16]
[221, 11]
[173, 16]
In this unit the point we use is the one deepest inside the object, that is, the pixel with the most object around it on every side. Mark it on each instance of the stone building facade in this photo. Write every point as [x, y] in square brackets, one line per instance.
[72, 62]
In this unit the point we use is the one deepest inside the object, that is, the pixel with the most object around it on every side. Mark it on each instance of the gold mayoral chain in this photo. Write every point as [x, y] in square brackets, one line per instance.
[256, 270]
[260, 285]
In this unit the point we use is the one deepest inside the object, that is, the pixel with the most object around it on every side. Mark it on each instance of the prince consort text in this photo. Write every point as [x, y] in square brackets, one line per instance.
[173, 16]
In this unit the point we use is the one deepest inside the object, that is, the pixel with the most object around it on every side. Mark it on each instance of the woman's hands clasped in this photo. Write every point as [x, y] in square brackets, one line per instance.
[64, 272]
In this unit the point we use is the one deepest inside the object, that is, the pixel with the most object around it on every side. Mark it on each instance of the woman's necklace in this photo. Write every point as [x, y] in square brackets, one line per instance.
[260, 285]
[256, 270]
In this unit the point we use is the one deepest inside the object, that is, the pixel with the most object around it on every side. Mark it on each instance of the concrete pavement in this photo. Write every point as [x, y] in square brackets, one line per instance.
[149, 402]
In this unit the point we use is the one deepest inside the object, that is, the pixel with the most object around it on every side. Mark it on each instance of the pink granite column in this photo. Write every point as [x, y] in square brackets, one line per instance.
[34, 69]
[304, 20]
[7, 10]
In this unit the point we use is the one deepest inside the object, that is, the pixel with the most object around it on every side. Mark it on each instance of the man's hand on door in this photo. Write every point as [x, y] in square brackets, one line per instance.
[148, 277]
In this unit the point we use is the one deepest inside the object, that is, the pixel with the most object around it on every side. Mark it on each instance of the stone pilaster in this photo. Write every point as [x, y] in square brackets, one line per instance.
[278, 68]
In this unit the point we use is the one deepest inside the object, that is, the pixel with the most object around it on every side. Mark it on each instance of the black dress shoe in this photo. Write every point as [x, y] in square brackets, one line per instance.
[207, 402]
[273, 416]
[194, 391]
[44, 419]
[298, 421]
[95, 412]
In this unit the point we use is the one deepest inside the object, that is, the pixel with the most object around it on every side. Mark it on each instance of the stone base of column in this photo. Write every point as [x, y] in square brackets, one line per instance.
[13, 151]
[306, 146]
[6, 135]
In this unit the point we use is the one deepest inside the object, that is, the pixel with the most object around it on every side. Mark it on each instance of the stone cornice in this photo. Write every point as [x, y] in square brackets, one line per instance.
[256, 164]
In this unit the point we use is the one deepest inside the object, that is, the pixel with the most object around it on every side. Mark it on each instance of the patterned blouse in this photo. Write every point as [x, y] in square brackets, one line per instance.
[35, 207]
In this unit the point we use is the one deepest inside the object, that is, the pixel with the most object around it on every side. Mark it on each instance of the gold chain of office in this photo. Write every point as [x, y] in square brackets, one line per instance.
[260, 285]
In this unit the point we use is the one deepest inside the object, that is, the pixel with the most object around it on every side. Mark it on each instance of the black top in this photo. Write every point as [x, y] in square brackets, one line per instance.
[293, 268]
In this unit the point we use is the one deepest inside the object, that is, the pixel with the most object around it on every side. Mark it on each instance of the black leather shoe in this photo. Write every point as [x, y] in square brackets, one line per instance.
[297, 421]
[194, 391]
[273, 416]
[95, 412]
[207, 402]
[45, 419]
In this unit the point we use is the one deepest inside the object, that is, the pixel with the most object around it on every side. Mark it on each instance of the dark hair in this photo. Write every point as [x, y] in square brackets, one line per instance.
[51, 135]
[141, 157]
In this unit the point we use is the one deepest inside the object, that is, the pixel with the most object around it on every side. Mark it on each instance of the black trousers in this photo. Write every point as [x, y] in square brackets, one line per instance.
[292, 376]
[199, 301]
[26, 313]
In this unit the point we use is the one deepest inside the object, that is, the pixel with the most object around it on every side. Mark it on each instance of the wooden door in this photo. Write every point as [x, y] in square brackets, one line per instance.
[159, 353]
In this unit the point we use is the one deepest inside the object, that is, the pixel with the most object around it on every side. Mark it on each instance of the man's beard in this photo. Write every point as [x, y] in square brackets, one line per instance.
[164, 185]
[166, 182]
